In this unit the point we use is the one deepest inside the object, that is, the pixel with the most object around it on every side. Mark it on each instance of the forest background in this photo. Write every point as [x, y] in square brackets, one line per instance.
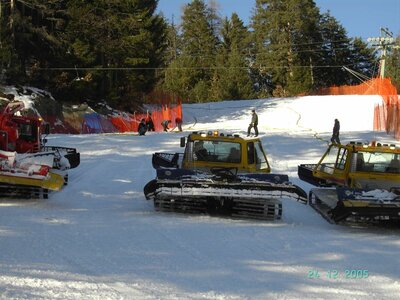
[125, 53]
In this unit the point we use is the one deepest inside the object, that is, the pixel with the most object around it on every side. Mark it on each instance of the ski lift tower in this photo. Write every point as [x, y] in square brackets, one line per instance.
[383, 43]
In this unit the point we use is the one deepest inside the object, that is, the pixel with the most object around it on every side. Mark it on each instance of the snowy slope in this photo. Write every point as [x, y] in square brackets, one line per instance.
[100, 239]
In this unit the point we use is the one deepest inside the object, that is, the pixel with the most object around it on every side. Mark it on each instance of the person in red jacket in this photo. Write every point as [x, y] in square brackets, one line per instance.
[178, 122]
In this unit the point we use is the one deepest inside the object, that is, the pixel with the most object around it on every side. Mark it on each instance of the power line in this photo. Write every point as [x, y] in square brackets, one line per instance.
[182, 68]
[383, 43]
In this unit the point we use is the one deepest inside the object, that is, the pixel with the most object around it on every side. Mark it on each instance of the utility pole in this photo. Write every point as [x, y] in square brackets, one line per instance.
[383, 43]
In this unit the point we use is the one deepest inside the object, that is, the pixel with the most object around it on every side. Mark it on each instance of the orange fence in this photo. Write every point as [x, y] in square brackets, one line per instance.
[387, 114]
[123, 122]
[130, 122]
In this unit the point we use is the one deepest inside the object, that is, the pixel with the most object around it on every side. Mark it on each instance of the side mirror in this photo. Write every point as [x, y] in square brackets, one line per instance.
[47, 128]
[44, 141]
[183, 141]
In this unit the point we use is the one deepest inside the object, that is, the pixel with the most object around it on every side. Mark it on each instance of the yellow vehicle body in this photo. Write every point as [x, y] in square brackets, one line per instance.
[356, 165]
[364, 181]
[52, 181]
[225, 151]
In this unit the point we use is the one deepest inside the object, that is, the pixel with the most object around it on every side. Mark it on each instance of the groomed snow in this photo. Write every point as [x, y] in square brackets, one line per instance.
[100, 239]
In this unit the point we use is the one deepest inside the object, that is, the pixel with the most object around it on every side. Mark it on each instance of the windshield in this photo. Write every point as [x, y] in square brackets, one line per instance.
[27, 132]
[376, 162]
[217, 151]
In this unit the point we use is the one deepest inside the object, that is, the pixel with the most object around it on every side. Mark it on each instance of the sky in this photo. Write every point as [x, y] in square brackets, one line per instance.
[98, 238]
[361, 18]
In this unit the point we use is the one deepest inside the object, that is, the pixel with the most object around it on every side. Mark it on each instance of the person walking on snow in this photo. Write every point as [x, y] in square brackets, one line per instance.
[178, 122]
[149, 123]
[165, 124]
[253, 124]
[142, 128]
[335, 133]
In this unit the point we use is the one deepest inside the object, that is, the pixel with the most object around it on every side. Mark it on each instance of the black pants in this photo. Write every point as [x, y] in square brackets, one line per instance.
[335, 138]
[255, 129]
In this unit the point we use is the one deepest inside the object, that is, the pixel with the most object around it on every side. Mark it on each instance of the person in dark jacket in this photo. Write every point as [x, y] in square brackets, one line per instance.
[142, 128]
[200, 152]
[254, 123]
[335, 133]
[149, 123]
[165, 124]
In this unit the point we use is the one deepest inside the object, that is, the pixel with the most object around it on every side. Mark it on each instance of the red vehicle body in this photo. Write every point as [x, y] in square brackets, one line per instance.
[19, 133]
[24, 134]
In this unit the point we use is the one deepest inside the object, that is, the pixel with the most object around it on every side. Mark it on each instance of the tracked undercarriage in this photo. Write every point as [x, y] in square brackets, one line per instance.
[354, 205]
[238, 196]
[22, 192]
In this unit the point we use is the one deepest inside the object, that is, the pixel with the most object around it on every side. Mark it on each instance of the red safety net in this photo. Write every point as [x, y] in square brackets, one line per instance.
[387, 114]
[130, 122]
[125, 123]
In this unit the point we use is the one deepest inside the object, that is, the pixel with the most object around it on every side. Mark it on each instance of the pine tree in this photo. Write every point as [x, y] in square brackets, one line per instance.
[119, 44]
[231, 78]
[287, 43]
[336, 53]
[189, 76]
[33, 32]
[363, 61]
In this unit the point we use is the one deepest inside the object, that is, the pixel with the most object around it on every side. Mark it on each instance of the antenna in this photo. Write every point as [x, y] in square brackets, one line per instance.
[383, 43]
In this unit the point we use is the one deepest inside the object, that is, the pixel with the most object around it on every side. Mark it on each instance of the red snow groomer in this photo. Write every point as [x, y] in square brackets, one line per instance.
[23, 150]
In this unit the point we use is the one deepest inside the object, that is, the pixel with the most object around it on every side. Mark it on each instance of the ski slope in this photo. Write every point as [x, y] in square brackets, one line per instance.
[100, 239]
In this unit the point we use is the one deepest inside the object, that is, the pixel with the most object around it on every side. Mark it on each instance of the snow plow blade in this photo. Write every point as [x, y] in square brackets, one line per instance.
[343, 203]
[28, 175]
[12, 185]
[70, 154]
[52, 181]
[253, 196]
[165, 160]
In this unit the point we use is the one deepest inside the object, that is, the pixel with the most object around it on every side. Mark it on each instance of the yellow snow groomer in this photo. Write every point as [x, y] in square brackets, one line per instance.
[220, 174]
[358, 181]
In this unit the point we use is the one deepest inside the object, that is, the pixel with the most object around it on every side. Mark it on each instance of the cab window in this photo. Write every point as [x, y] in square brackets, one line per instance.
[377, 162]
[341, 160]
[329, 161]
[217, 151]
[26, 132]
[261, 160]
[250, 153]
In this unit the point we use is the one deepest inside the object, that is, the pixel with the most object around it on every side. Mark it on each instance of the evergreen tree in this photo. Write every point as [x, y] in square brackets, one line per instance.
[287, 43]
[363, 61]
[118, 45]
[6, 50]
[231, 79]
[33, 33]
[189, 76]
[336, 53]
[393, 64]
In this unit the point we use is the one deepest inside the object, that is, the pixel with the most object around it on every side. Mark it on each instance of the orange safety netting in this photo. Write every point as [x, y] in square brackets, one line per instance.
[130, 122]
[387, 114]
[124, 123]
